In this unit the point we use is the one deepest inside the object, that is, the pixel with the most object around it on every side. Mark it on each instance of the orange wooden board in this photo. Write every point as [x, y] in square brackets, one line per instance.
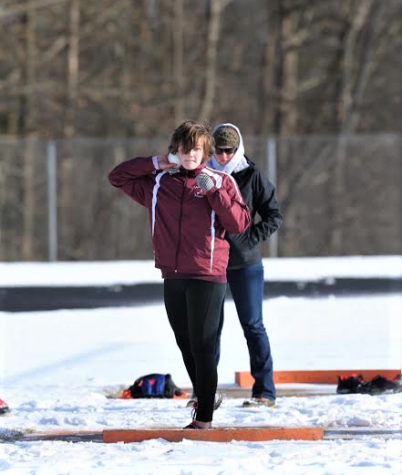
[244, 378]
[218, 434]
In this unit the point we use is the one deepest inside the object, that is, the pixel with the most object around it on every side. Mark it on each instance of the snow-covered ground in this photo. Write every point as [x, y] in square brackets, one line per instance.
[128, 272]
[58, 367]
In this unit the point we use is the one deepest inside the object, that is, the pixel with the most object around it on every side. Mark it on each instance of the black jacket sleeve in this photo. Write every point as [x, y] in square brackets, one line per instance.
[265, 203]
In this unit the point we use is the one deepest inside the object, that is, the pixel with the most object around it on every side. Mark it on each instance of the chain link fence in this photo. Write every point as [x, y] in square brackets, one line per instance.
[340, 195]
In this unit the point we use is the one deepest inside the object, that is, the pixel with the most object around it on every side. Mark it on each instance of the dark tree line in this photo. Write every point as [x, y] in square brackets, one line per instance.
[137, 67]
[319, 76]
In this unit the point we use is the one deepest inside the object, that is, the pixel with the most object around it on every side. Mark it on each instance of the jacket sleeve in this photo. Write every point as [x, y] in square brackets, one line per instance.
[134, 177]
[266, 205]
[228, 204]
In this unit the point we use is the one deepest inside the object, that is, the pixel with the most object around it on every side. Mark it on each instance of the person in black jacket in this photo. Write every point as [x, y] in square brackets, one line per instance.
[245, 273]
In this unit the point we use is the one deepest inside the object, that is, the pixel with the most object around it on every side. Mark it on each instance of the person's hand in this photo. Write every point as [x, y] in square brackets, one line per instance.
[205, 182]
[164, 163]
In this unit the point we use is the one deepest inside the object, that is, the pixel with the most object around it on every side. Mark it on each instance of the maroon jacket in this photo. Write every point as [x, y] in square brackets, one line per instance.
[188, 225]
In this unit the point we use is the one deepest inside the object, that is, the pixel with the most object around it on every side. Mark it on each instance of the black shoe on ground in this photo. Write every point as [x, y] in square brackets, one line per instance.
[354, 384]
[193, 425]
[4, 409]
[382, 385]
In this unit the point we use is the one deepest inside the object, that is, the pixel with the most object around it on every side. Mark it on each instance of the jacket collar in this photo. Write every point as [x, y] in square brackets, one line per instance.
[193, 173]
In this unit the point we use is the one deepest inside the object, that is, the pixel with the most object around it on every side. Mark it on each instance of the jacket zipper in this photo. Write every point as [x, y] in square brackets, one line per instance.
[180, 216]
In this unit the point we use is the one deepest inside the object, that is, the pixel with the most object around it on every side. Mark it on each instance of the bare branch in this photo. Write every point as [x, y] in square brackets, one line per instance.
[4, 13]
[348, 82]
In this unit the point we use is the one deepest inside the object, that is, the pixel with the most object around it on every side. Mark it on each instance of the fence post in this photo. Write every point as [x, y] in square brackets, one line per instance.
[52, 200]
[271, 162]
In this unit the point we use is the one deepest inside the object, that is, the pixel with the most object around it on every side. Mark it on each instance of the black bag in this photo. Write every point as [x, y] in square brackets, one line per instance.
[155, 385]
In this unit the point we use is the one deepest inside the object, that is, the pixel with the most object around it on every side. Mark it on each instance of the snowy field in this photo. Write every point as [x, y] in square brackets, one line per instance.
[125, 272]
[58, 367]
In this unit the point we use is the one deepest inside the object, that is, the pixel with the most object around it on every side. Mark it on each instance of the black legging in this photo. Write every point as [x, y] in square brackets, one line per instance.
[193, 307]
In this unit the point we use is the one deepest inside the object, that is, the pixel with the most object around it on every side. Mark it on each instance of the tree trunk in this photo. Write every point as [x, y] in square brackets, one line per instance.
[65, 168]
[72, 66]
[28, 211]
[354, 81]
[217, 6]
[290, 80]
[272, 72]
[178, 60]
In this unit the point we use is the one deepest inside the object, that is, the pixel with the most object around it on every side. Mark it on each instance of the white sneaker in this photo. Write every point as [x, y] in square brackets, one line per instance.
[259, 401]
[218, 401]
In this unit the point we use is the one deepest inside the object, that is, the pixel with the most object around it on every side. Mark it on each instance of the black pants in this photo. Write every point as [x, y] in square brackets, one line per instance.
[193, 307]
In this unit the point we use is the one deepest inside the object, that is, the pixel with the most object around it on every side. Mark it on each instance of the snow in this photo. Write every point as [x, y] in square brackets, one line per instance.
[36, 274]
[59, 368]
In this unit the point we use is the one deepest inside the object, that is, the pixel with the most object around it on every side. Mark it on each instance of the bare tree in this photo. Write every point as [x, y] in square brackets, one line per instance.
[290, 75]
[178, 60]
[123, 69]
[272, 71]
[72, 66]
[217, 7]
[31, 113]
[356, 72]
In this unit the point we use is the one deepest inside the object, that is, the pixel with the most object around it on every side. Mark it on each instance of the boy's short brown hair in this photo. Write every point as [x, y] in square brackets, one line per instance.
[188, 135]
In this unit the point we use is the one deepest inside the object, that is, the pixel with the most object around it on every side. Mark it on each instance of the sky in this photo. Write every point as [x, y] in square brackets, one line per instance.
[59, 370]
